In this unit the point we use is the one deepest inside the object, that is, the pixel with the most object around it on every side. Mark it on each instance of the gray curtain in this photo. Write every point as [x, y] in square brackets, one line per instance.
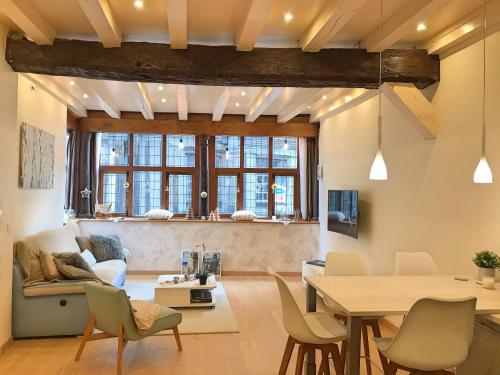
[70, 169]
[312, 192]
[85, 175]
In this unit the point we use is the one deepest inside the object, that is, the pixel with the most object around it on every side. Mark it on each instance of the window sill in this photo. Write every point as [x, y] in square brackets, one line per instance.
[179, 220]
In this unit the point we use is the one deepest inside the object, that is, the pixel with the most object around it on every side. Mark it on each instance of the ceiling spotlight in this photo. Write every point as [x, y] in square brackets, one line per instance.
[139, 4]
[243, 93]
[308, 107]
[324, 97]
[237, 104]
[160, 88]
[421, 26]
[288, 17]
[85, 96]
[71, 83]
[163, 100]
[348, 98]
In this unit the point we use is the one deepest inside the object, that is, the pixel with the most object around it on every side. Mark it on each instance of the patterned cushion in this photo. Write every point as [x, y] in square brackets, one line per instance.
[106, 248]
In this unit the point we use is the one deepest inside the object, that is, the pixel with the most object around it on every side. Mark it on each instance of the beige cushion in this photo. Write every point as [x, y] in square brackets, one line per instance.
[48, 265]
[55, 288]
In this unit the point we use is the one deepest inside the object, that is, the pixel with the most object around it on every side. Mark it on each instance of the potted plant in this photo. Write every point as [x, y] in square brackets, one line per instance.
[487, 262]
[203, 276]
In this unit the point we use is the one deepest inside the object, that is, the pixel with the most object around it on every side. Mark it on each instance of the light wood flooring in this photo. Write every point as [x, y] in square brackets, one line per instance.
[256, 350]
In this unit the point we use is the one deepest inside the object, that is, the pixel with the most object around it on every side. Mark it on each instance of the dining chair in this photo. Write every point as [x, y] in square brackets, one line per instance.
[350, 263]
[415, 263]
[310, 331]
[111, 313]
[435, 336]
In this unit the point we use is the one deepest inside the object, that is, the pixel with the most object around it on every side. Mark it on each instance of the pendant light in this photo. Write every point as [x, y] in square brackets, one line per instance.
[482, 174]
[378, 170]
[285, 145]
[226, 154]
[181, 144]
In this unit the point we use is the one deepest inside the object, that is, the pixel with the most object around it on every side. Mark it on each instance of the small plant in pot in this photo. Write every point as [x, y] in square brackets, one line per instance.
[487, 262]
[203, 276]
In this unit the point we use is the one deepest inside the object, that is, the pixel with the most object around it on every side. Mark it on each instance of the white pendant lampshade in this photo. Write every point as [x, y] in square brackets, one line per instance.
[483, 174]
[378, 170]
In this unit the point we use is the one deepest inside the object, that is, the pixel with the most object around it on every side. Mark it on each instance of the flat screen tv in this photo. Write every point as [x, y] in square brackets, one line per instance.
[343, 212]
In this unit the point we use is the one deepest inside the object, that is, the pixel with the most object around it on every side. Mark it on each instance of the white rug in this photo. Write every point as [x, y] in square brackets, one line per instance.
[194, 320]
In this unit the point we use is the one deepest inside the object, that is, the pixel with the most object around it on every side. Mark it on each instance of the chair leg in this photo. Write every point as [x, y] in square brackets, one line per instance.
[177, 338]
[300, 358]
[376, 333]
[337, 360]
[325, 362]
[121, 346]
[343, 351]
[391, 369]
[366, 347]
[290, 344]
[88, 331]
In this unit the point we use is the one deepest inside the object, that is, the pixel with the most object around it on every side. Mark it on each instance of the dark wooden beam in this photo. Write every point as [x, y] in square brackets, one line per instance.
[221, 65]
[199, 125]
[73, 121]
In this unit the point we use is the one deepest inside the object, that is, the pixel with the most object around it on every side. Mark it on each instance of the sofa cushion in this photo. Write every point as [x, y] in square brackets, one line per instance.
[88, 257]
[84, 243]
[106, 248]
[110, 271]
[54, 288]
[49, 268]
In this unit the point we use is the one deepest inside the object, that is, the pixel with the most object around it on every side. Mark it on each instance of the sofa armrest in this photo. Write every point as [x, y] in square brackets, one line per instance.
[126, 252]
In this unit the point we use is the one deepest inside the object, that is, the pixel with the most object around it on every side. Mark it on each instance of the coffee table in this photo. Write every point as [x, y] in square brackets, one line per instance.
[179, 295]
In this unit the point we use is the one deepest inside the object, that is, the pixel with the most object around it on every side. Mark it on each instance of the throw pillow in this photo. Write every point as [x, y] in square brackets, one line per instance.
[49, 268]
[84, 243]
[73, 259]
[106, 248]
[158, 214]
[243, 216]
[74, 273]
[89, 257]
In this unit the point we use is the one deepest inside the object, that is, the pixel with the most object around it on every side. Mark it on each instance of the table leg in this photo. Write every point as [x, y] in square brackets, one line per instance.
[311, 307]
[353, 345]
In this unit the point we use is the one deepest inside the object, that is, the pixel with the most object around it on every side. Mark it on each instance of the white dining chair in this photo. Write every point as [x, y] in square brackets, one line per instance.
[415, 263]
[350, 263]
[310, 331]
[435, 336]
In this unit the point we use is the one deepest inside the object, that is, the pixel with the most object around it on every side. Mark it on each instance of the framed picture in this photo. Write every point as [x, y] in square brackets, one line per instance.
[212, 262]
[190, 262]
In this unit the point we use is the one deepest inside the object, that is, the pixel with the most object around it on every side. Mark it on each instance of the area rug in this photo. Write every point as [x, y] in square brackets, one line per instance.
[194, 320]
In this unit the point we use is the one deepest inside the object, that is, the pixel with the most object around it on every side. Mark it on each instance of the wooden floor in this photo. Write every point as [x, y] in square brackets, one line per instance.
[256, 350]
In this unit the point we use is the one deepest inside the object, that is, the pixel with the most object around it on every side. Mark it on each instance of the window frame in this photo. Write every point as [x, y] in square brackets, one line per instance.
[164, 169]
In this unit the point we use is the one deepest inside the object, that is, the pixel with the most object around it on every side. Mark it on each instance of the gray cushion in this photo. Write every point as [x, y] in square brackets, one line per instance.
[73, 259]
[106, 248]
[73, 266]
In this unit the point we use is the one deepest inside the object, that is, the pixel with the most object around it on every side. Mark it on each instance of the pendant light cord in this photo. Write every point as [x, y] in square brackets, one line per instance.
[483, 135]
[379, 142]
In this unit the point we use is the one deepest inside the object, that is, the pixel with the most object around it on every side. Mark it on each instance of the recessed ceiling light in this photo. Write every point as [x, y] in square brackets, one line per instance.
[237, 104]
[243, 93]
[163, 100]
[72, 83]
[308, 107]
[288, 17]
[348, 98]
[421, 26]
[324, 97]
[85, 95]
[139, 4]
[160, 88]
[467, 28]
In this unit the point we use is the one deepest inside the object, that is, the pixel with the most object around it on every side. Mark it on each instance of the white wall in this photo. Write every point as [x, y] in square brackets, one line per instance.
[429, 202]
[24, 211]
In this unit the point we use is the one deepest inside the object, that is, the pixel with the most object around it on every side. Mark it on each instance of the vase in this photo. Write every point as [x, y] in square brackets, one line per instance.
[203, 279]
[485, 272]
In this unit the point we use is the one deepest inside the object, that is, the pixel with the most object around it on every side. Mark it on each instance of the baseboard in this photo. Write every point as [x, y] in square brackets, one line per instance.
[5, 345]
[224, 273]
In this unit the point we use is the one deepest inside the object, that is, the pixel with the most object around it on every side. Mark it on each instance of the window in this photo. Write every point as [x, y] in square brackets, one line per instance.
[285, 151]
[227, 189]
[227, 152]
[284, 195]
[141, 172]
[255, 193]
[256, 152]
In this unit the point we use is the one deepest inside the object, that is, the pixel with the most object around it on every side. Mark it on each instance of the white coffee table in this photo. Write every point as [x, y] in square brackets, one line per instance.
[179, 295]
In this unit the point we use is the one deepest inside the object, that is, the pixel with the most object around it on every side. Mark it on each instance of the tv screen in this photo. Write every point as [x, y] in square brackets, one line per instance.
[343, 212]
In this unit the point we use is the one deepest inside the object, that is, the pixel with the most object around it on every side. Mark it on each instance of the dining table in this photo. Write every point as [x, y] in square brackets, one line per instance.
[379, 296]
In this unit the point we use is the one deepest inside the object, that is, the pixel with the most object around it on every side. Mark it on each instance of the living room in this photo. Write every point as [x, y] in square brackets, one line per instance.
[188, 158]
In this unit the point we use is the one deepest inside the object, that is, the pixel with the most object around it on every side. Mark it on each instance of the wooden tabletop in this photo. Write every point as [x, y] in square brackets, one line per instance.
[394, 295]
[193, 284]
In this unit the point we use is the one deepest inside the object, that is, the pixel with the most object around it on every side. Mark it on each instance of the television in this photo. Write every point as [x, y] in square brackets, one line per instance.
[343, 212]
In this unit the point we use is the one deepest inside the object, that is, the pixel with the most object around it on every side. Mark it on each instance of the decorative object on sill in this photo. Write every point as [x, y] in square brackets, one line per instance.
[190, 213]
[69, 214]
[217, 214]
[103, 210]
[243, 216]
[482, 174]
[37, 158]
[297, 215]
[158, 214]
[203, 194]
[85, 193]
[126, 185]
[487, 262]
[378, 170]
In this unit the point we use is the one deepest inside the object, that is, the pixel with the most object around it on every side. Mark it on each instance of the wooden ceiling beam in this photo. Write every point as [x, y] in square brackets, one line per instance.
[144, 102]
[101, 18]
[400, 23]
[222, 65]
[99, 90]
[177, 23]
[300, 103]
[29, 20]
[182, 101]
[263, 100]
[57, 92]
[221, 104]
[328, 23]
[255, 18]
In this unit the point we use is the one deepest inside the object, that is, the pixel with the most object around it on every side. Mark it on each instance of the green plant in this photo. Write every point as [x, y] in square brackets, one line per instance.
[203, 274]
[486, 259]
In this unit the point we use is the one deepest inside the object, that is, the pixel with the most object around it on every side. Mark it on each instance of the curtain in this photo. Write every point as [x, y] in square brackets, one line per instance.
[312, 192]
[70, 169]
[85, 175]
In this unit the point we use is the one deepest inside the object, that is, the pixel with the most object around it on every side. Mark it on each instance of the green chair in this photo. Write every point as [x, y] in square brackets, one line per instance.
[110, 312]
